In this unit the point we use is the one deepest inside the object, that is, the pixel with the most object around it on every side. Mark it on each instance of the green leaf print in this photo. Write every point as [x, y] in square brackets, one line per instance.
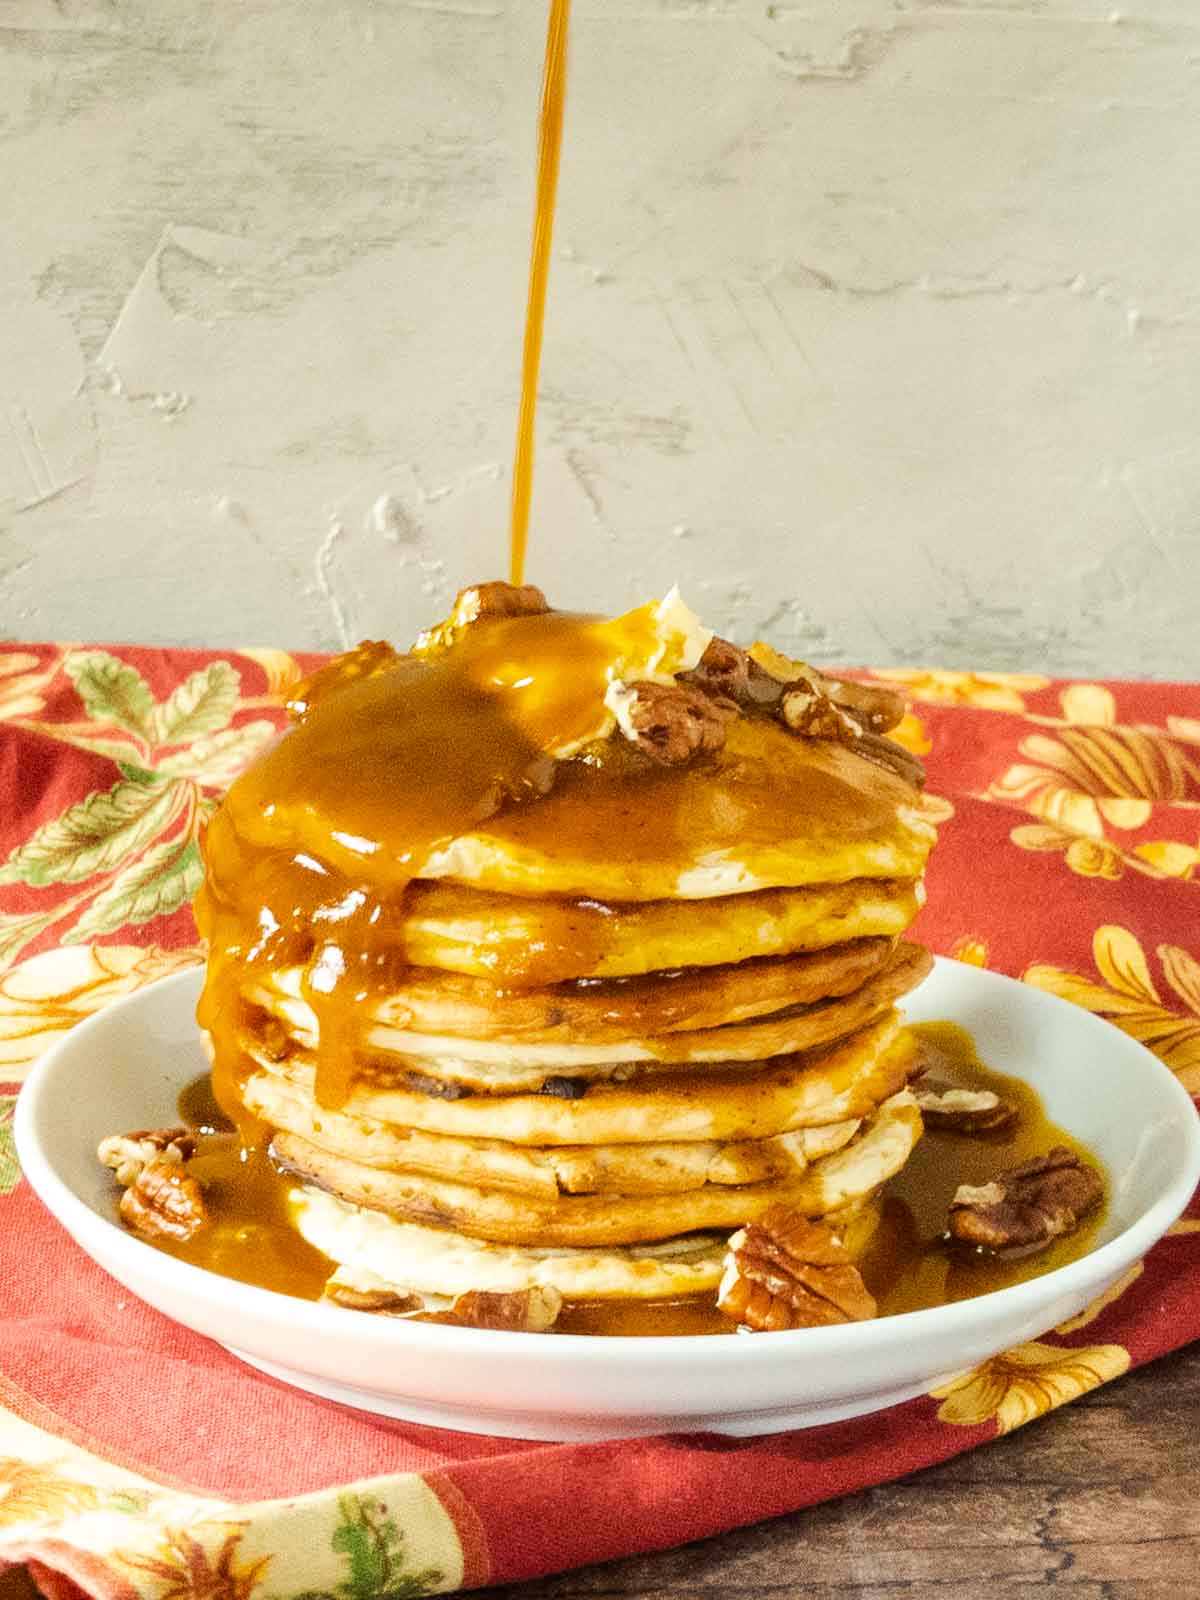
[165, 878]
[204, 703]
[10, 1172]
[16, 931]
[216, 762]
[96, 835]
[112, 691]
[373, 1546]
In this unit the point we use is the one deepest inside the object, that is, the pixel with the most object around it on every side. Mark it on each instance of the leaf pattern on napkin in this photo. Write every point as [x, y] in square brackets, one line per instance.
[130, 851]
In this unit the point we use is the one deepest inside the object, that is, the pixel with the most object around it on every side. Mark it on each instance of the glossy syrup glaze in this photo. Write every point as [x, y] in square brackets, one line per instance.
[310, 856]
[391, 758]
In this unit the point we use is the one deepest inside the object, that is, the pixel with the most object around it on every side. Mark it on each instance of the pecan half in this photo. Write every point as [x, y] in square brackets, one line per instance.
[129, 1153]
[163, 1202]
[672, 722]
[887, 753]
[730, 673]
[1027, 1206]
[481, 602]
[384, 1302]
[948, 1107]
[788, 1272]
[522, 1311]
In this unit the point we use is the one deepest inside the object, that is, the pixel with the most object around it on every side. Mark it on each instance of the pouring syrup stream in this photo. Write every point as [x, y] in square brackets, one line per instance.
[549, 145]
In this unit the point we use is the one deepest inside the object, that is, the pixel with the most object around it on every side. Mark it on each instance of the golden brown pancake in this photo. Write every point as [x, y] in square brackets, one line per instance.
[503, 1216]
[618, 1009]
[580, 1169]
[519, 942]
[376, 1252]
[497, 1066]
[845, 1080]
[769, 810]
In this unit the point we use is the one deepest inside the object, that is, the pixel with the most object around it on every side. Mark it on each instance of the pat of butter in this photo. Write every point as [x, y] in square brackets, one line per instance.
[650, 645]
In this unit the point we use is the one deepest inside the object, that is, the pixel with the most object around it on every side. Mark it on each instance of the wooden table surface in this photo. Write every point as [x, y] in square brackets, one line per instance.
[1100, 1500]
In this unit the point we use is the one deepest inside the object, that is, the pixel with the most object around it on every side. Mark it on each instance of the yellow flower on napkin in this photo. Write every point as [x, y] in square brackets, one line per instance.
[1127, 997]
[1026, 1382]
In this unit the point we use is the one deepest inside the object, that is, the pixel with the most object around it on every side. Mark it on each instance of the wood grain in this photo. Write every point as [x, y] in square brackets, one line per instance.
[1097, 1501]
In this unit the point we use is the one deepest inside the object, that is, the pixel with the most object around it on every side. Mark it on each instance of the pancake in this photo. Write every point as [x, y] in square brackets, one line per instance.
[853, 1173]
[377, 1253]
[492, 1066]
[769, 810]
[521, 942]
[662, 1168]
[845, 1080]
[616, 1009]
[374, 1250]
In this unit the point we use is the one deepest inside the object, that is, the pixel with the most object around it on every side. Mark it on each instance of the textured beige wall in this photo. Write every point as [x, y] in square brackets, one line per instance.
[875, 323]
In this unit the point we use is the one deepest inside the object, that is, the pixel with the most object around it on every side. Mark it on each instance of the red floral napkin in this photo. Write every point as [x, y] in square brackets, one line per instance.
[137, 1459]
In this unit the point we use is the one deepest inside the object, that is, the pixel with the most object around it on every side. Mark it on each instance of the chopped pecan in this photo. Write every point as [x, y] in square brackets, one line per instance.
[1027, 1206]
[163, 1202]
[788, 1272]
[129, 1153]
[482, 602]
[672, 722]
[522, 1311]
[953, 1109]
[384, 1302]
[811, 713]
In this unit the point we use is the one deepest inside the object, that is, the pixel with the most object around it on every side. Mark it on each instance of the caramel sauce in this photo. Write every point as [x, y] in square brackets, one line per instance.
[905, 1262]
[549, 145]
[325, 831]
[393, 758]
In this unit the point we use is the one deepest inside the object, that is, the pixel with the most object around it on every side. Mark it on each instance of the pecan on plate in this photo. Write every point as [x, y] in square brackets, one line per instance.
[788, 1272]
[521, 1311]
[1027, 1206]
[384, 1302]
[164, 1202]
[129, 1153]
[953, 1109]
[672, 722]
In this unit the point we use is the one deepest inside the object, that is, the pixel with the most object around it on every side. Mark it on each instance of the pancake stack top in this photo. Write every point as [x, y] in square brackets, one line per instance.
[549, 953]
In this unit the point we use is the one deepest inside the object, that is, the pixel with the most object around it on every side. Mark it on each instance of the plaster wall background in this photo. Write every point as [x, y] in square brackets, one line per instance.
[875, 323]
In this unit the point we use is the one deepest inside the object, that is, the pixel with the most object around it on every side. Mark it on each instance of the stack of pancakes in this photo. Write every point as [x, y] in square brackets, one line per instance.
[576, 1034]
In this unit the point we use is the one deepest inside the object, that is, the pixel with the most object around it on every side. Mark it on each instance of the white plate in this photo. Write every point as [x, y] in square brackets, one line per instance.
[125, 1067]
